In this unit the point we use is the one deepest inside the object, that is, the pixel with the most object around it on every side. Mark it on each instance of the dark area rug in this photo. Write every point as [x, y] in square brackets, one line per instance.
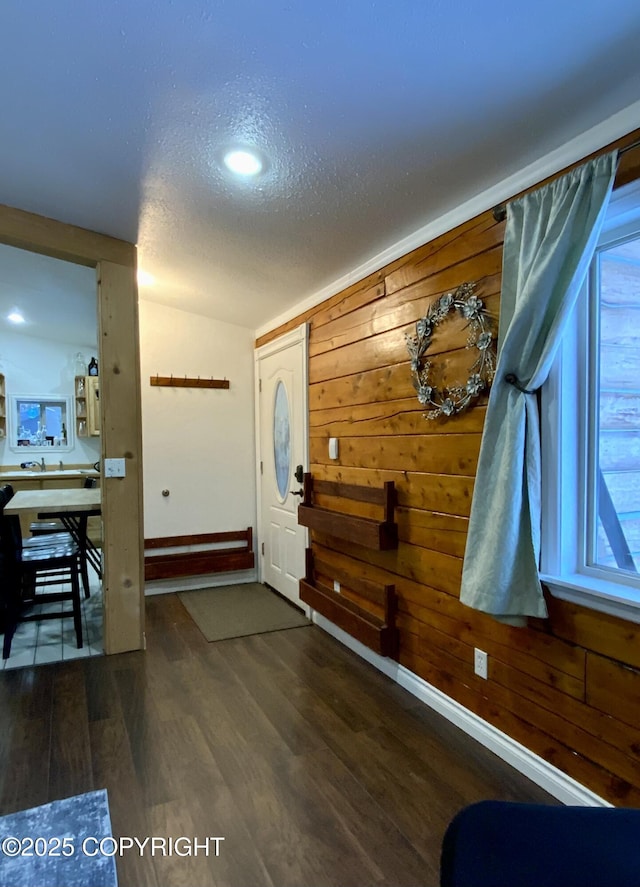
[67, 850]
[234, 611]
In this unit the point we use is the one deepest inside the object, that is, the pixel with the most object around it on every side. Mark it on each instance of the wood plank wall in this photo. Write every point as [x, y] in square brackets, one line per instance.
[568, 687]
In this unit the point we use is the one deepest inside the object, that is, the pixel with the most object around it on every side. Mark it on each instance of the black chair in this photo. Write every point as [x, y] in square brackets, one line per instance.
[6, 494]
[505, 844]
[43, 527]
[26, 572]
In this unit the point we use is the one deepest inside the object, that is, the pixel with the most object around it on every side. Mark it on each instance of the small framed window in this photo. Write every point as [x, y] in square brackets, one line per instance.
[591, 430]
[40, 423]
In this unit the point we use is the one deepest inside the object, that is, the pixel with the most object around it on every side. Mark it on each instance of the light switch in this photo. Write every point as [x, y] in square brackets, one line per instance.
[333, 447]
[114, 468]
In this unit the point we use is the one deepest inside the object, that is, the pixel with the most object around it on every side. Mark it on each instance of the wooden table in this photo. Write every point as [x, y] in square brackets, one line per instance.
[71, 506]
[55, 501]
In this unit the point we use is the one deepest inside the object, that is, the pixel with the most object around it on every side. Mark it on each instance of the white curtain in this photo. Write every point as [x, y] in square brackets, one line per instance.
[550, 238]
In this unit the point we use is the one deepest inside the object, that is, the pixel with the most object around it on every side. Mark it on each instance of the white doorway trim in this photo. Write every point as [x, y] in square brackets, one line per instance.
[299, 335]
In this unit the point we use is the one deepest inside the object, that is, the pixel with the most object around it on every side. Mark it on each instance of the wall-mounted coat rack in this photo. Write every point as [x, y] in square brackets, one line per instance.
[186, 382]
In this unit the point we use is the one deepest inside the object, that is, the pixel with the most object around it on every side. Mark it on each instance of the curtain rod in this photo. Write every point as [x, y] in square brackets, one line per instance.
[500, 211]
[629, 147]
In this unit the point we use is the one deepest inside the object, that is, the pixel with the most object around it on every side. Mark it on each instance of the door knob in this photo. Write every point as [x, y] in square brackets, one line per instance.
[297, 492]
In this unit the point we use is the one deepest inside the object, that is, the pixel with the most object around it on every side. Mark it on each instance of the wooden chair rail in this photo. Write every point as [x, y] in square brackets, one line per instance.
[199, 563]
[380, 535]
[245, 536]
[379, 634]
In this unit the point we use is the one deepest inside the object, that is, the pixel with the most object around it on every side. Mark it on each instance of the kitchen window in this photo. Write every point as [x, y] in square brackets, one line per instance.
[39, 423]
[591, 430]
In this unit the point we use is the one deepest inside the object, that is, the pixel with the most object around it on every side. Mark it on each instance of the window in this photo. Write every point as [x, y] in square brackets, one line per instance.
[39, 423]
[591, 430]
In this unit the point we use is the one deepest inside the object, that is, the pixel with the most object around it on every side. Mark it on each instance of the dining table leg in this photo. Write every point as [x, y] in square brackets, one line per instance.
[76, 524]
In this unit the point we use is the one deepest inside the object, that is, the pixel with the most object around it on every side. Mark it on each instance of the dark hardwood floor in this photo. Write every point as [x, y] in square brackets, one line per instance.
[317, 770]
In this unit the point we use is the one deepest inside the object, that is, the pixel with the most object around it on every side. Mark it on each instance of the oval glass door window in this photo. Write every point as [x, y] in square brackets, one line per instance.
[281, 440]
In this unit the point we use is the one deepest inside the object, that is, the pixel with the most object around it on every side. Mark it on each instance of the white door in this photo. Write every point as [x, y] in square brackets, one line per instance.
[281, 368]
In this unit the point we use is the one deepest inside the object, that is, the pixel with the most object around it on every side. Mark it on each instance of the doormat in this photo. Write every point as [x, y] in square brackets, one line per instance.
[234, 611]
[59, 844]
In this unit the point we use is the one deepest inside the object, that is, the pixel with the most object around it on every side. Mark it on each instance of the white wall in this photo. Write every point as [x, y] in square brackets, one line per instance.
[39, 366]
[197, 443]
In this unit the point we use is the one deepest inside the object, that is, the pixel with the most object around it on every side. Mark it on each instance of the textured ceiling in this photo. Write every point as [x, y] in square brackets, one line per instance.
[373, 118]
[58, 300]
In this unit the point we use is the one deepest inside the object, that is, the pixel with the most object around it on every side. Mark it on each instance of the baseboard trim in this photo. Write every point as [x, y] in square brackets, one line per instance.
[544, 774]
[191, 583]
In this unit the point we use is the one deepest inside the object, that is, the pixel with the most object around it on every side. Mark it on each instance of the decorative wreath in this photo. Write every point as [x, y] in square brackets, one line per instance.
[452, 400]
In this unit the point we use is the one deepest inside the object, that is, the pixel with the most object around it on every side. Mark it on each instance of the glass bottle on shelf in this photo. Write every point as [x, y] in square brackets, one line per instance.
[93, 367]
[81, 365]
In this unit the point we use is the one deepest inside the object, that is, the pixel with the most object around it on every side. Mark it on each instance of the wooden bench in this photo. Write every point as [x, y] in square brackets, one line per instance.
[199, 563]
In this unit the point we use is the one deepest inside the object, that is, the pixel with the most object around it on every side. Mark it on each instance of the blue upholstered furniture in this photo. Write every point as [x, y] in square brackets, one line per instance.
[503, 844]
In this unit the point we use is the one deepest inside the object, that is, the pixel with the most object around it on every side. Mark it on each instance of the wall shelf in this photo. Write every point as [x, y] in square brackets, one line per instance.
[380, 535]
[87, 390]
[379, 633]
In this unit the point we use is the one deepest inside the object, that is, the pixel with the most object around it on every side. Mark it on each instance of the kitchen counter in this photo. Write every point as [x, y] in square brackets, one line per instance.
[8, 475]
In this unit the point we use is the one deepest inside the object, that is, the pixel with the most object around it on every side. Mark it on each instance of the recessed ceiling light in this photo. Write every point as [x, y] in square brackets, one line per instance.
[15, 317]
[243, 163]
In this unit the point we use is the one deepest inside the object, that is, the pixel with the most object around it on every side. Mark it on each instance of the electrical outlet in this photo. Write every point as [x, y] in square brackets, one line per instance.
[480, 663]
[336, 586]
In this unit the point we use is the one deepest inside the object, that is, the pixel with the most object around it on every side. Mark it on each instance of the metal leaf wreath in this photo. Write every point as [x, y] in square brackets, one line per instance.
[452, 400]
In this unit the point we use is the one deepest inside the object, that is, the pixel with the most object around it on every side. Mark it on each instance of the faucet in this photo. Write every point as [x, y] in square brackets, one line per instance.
[43, 467]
